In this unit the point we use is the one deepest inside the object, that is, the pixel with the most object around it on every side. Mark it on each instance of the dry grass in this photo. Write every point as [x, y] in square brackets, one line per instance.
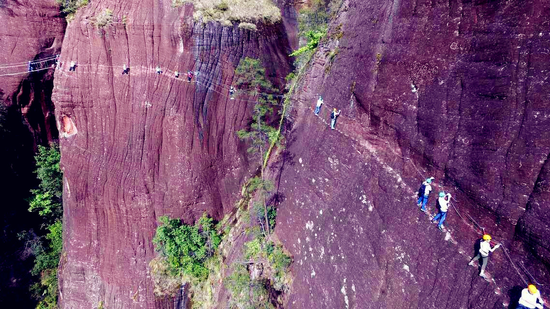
[239, 11]
[165, 283]
[104, 18]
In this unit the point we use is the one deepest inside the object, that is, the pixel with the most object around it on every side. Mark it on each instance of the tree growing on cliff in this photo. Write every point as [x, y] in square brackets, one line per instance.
[47, 201]
[250, 76]
[186, 247]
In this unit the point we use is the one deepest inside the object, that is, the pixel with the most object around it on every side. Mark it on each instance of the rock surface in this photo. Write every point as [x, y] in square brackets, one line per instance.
[142, 145]
[29, 29]
[457, 90]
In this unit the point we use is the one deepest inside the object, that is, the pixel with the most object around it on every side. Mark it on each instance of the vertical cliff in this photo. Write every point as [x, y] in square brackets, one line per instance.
[28, 30]
[452, 89]
[142, 145]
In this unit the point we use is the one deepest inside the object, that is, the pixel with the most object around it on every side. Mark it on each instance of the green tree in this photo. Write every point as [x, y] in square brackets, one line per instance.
[47, 199]
[186, 247]
[251, 76]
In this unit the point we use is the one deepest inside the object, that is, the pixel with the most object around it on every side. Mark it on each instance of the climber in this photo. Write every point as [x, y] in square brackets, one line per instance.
[177, 74]
[484, 250]
[443, 201]
[73, 66]
[231, 92]
[159, 71]
[333, 117]
[189, 76]
[530, 298]
[424, 193]
[318, 106]
[125, 69]
[30, 68]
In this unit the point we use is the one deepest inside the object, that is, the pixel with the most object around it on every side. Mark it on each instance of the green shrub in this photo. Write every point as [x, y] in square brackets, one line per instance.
[246, 293]
[47, 201]
[185, 247]
[313, 39]
[253, 248]
[70, 7]
[104, 18]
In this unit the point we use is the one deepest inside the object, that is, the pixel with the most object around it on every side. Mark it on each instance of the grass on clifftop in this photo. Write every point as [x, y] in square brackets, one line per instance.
[245, 12]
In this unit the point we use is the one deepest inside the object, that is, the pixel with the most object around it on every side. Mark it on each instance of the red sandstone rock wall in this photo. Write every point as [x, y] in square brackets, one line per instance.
[29, 30]
[142, 145]
[452, 89]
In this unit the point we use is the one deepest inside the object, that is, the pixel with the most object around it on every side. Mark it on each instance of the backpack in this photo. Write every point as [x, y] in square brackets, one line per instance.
[332, 116]
[421, 190]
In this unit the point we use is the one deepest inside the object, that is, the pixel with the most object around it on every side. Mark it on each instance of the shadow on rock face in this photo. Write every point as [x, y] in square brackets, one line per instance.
[514, 294]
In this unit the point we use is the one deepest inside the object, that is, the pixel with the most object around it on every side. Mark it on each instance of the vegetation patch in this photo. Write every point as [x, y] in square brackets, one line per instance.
[104, 18]
[70, 7]
[245, 12]
[47, 201]
[263, 273]
[184, 249]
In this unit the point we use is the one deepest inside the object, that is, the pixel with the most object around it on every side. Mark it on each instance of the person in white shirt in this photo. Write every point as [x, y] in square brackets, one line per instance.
[318, 106]
[484, 250]
[530, 298]
[424, 193]
[443, 201]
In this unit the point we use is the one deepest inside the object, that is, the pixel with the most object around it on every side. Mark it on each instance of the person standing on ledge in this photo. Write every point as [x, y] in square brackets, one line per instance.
[424, 193]
[189, 76]
[484, 250]
[530, 298]
[333, 116]
[318, 106]
[443, 201]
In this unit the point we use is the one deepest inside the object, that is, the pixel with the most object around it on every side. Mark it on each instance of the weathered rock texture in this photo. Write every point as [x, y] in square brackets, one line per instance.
[142, 145]
[28, 30]
[452, 89]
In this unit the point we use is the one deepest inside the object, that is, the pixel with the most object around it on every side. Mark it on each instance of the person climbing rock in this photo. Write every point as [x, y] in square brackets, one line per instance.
[443, 201]
[484, 250]
[424, 193]
[530, 298]
[189, 76]
[30, 67]
[333, 116]
[73, 66]
[231, 92]
[125, 70]
[318, 106]
[158, 70]
[177, 74]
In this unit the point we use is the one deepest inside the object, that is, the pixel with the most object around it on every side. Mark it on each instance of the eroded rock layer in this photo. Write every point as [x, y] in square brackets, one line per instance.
[457, 90]
[29, 30]
[141, 145]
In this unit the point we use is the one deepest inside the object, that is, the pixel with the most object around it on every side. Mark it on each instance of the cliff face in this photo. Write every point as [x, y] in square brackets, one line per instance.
[142, 145]
[457, 90]
[28, 30]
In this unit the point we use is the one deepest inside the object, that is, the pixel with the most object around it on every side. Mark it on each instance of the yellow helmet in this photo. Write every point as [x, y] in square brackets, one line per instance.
[532, 288]
[486, 237]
